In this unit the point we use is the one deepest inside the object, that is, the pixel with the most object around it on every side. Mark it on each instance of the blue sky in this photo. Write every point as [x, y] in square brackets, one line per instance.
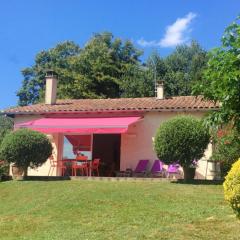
[27, 27]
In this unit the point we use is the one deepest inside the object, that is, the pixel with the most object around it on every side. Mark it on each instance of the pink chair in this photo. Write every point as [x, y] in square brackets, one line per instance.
[94, 166]
[157, 168]
[173, 169]
[82, 166]
[141, 168]
[54, 164]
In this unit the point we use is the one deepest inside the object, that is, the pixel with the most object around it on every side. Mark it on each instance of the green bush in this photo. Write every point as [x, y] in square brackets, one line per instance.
[232, 187]
[227, 149]
[6, 125]
[25, 148]
[182, 139]
[4, 169]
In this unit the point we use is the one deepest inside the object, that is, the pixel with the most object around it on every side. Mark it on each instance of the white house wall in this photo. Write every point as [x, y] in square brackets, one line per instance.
[137, 143]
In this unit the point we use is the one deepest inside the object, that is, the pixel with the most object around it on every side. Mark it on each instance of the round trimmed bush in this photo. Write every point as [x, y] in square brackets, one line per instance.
[231, 187]
[26, 148]
[182, 139]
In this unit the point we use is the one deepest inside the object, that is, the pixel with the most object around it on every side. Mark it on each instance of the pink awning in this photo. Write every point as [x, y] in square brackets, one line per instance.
[80, 125]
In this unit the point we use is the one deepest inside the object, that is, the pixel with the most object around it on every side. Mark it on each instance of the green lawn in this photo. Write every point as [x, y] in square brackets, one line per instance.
[114, 210]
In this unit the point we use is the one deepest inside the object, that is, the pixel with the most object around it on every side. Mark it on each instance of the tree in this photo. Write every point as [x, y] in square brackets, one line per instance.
[95, 71]
[221, 81]
[58, 59]
[103, 65]
[182, 139]
[6, 125]
[25, 148]
[180, 70]
[137, 81]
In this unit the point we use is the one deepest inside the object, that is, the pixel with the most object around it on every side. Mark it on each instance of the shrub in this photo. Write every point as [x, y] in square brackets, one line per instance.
[25, 148]
[6, 125]
[227, 149]
[182, 139]
[4, 168]
[232, 187]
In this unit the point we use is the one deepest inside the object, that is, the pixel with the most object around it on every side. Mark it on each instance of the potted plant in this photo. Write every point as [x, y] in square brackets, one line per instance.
[182, 139]
[189, 172]
[25, 148]
[17, 171]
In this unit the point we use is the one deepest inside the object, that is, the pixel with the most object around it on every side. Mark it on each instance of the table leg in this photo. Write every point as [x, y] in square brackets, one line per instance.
[90, 169]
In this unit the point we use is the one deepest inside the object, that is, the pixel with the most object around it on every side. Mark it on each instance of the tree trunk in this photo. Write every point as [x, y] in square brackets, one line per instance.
[189, 173]
[25, 171]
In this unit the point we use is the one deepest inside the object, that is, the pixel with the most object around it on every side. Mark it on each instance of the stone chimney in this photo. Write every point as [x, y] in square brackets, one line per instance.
[160, 90]
[51, 88]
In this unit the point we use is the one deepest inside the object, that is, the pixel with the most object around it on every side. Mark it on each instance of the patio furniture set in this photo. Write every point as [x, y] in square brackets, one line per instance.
[157, 170]
[85, 166]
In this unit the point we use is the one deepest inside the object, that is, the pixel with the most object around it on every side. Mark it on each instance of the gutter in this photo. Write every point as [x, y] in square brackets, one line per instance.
[12, 114]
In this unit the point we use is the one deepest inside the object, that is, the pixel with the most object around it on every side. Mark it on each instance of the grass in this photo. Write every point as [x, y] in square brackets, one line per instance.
[114, 210]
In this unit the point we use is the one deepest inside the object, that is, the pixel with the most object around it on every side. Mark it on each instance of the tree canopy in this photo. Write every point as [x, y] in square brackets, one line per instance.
[108, 67]
[57, 58]
[181, 69]
[221, 81]
[94, 71]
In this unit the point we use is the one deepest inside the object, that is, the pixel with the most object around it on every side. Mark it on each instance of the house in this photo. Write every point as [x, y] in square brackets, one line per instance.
[118, 131]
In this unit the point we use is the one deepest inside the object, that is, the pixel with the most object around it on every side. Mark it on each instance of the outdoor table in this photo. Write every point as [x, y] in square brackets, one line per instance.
[70, 161]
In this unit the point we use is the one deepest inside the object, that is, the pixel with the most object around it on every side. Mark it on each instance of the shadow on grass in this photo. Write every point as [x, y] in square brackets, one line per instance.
[198, 182]
[5, 178]
[46, 178]
[38, 178]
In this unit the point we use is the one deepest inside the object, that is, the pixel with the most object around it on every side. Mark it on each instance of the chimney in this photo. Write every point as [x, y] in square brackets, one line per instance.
[51, 87]
[160, 90]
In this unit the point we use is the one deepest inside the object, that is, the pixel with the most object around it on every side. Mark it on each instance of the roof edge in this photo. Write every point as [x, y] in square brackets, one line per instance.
[200, 109]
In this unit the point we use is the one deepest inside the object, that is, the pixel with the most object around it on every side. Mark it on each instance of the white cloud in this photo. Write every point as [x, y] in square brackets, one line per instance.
[175, 34]
[145, 43]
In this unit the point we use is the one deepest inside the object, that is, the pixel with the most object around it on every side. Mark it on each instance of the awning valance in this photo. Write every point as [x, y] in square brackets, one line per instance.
[80, 125]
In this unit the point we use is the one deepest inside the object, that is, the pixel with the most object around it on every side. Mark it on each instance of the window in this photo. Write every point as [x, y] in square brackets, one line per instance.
[77, 144]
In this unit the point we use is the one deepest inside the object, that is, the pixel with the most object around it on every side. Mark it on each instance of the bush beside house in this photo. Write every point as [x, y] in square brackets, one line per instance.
[6, 125]
[227, 149]
[232, 187]
[25, 148]
[182, 139]
[4, 170]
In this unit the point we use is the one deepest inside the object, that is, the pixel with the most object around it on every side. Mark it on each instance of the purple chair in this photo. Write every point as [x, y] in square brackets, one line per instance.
[157, 168]
[141, 168]
[173, 169]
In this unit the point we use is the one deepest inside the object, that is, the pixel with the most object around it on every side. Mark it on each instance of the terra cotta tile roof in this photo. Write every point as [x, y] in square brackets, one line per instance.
[119, 104]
